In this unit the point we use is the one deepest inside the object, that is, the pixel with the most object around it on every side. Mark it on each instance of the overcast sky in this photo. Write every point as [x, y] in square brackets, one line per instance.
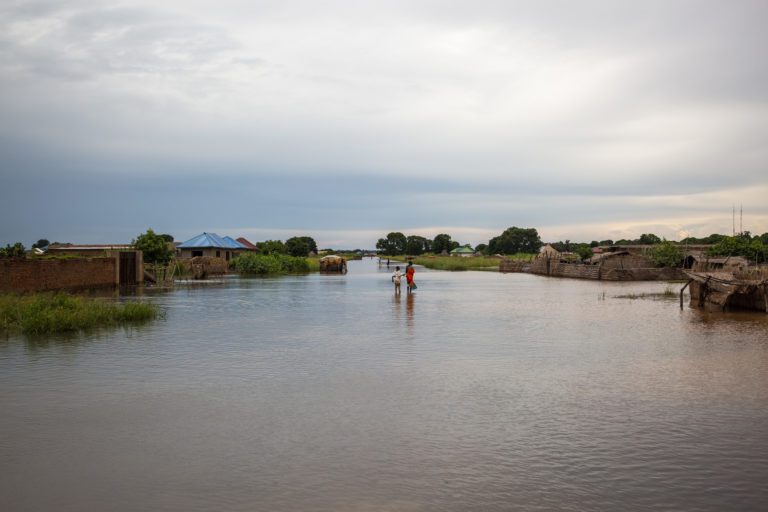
[347, 120]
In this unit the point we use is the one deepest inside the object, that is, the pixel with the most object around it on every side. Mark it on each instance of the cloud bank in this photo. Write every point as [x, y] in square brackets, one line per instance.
[348, 120]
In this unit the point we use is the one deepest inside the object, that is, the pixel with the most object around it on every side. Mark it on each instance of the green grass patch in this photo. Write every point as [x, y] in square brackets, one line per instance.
[314, 264]
[457, 263]
[45, 313]
[270, 264]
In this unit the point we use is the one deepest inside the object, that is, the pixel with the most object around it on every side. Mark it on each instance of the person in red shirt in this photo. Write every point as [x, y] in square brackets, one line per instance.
[409, 271]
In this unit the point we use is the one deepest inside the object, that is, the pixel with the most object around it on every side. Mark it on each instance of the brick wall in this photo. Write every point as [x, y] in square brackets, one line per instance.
[20, 275]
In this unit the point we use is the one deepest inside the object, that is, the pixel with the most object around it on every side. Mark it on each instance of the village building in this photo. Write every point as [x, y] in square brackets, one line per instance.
[464, 251]
[210, 245]
[250, 246]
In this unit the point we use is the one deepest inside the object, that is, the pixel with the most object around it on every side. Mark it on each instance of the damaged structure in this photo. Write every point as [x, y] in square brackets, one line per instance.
[725, 284]
[623, 263]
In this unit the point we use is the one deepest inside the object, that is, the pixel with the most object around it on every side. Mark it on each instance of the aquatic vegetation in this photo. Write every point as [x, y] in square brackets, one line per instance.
[668, 293]
[43, 313]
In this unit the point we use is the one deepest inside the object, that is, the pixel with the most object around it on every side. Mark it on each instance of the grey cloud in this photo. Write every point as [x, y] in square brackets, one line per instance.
[487, 113]
[86, 42]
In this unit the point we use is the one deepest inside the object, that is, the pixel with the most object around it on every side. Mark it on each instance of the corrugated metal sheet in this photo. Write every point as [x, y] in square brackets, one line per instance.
[213, 240]
[232, 243]
[247, 243]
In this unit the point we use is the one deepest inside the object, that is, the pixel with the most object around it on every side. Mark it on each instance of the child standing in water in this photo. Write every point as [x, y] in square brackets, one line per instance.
[396, 278]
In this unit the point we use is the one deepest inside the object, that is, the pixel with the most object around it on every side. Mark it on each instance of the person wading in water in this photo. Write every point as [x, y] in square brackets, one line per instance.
[396, 278]
[409, 271]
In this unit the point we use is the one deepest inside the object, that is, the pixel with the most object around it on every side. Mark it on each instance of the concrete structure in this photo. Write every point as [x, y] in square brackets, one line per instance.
[210, 245]
[88, 250]
[129, 262]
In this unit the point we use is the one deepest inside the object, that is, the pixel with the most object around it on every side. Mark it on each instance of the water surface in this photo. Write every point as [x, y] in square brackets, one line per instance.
[482, 391]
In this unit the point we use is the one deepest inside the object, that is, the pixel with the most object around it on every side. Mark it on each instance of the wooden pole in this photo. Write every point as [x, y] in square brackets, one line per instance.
[765, 296]
[682, 290]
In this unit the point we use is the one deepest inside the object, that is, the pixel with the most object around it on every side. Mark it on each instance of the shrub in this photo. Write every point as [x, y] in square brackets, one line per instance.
[156, 248]
[263, 264]
[13, 251]
[666, 254]
[750, 248]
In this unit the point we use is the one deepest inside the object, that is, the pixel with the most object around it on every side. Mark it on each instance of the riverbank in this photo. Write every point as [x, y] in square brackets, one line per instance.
[455, 263]
[48, 313]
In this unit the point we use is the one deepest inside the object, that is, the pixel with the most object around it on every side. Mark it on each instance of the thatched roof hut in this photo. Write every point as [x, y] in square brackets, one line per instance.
[333, 264]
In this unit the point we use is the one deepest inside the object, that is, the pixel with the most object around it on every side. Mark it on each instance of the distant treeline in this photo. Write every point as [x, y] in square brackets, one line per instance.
[516, 240]
[513, 240]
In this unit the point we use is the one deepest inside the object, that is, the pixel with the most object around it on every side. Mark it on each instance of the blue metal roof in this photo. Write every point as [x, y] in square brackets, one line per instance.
[211, 240]
[232, 243]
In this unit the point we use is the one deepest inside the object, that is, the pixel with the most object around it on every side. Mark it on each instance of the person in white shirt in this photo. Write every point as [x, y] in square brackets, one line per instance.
[396, 278]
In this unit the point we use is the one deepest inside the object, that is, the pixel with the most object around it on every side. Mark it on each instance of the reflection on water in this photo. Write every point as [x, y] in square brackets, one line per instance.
[480, 391]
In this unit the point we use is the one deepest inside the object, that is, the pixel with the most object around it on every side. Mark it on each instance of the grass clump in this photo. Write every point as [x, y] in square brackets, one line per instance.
[313, 263]
[266, 264]
[456, 263]
[45, 313]
[668, 293]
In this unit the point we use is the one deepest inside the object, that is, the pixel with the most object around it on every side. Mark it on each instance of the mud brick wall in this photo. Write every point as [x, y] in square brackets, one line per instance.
[21, 275]
[514, 266]
[627, 261]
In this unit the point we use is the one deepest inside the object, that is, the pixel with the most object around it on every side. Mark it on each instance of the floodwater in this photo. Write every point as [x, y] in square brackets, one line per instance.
[482, 391]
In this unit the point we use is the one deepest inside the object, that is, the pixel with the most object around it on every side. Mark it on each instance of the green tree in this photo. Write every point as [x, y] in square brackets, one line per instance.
[272, 247]
[16, 250]
[393, 244]
[41, 243]
[416, 245]
[606, 243]
[482, 248]
[155, 248]
[442, 242]
[649, 239]
[310, 243]
[584, 251]
[297, 246]
[514, 240]
[667, 254]
[753, 250]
